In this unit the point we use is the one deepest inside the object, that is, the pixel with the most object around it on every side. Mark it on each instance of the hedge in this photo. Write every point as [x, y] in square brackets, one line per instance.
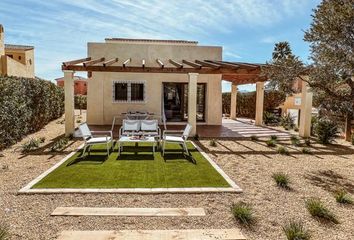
[80, 101]
[246, 102]
[26, 106]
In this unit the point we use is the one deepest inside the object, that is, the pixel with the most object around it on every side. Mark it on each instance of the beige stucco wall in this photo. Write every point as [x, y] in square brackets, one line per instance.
[100, 105]
[20, 68]
[290, 103]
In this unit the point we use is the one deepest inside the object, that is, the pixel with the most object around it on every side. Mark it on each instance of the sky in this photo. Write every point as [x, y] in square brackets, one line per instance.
[246, 29]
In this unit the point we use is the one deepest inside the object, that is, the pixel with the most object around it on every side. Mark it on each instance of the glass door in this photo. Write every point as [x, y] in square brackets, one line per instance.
[176, 102]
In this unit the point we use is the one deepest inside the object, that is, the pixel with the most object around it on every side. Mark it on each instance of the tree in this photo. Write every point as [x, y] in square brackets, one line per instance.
[331, 38]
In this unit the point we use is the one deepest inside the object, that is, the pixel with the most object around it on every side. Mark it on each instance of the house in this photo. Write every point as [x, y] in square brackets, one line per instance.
[16, 60]
[80, 84]
[178, 80]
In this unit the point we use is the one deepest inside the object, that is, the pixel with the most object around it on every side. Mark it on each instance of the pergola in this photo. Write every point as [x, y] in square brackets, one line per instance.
[237, 73]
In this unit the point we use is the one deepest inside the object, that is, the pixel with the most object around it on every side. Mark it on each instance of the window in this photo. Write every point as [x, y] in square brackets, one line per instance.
[137, 92]
[19, 57]
[128, 91]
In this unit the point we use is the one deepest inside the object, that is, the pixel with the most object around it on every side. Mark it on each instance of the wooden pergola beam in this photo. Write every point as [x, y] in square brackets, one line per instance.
[192, 64]
[207, 64]
[126, 62]
[245, 65]
[177, 64]
[160, 63]
[224, 64]
[92, 62]
[77, 61]
[110, 62]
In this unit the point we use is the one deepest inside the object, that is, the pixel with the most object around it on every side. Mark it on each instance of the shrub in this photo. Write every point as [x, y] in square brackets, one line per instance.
[296, 129]
[281, 179]
[318, 210]
[287, 122]
[307, 142]
[295, 231]
[80, 102]
[270, 118]
[60, 144]
[343, 197]
[27, 105]
[326, 130]
[274, 137]
[4, 232]
[212, 143]
[306, 151]
[243, 213]
[30, 145]
[271, 143]
[295, 140]
[283, 150]
[254, 138]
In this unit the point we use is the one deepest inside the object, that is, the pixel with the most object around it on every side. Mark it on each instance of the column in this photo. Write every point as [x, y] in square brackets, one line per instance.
[306, 111]
[69, 102]
[233, 101]
[192, 101]
[259, 103]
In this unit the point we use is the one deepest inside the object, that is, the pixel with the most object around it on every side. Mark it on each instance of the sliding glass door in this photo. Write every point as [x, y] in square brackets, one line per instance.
[176, 101]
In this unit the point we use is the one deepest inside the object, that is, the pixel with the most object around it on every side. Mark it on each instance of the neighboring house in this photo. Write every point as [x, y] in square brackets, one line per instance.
[80, 84]
[16, 60]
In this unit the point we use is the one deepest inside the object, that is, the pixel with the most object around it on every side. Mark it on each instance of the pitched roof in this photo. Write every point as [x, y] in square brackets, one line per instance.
[18, 47]
[151, 40]
[76, 78]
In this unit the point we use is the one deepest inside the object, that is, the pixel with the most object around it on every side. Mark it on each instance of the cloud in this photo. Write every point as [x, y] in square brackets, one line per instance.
[60, 29]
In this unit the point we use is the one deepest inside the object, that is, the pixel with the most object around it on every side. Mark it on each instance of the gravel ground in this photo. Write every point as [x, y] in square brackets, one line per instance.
[250, 164]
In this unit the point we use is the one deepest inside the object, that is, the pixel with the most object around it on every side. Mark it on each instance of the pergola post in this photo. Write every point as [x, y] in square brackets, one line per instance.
[259, 103]
[69, 102]
[306, 111]
[233, 101]
[192, 101]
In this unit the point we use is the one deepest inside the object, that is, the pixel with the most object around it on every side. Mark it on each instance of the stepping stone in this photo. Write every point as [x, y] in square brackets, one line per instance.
[85, 211]
[190, 234]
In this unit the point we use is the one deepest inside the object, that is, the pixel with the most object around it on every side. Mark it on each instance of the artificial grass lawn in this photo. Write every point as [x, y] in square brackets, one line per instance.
[136, 167]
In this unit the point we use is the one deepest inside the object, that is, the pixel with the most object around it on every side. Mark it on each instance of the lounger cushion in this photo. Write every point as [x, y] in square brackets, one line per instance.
[99, 140]
[174, 139]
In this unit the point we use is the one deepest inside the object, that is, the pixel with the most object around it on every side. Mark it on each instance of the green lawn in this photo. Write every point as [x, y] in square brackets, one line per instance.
[135, 168]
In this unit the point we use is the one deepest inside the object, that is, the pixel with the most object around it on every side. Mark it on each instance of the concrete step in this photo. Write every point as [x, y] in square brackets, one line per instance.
[87, 211]
[190, 234]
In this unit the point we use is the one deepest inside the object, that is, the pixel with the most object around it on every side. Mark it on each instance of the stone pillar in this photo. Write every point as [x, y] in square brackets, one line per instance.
[233, 101]
[192, 101]
[259, 103]
[306, 111]
[69, 102]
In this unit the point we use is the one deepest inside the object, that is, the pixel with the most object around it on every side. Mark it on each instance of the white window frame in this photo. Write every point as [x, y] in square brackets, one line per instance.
[128, 91]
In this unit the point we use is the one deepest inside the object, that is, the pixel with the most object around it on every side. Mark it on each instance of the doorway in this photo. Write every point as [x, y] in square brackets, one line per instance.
[175, 101]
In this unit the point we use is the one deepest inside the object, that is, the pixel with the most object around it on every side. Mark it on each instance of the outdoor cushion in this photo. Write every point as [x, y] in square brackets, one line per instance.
[131, 125]
[99, 140]
[173, 139]
[149, 125]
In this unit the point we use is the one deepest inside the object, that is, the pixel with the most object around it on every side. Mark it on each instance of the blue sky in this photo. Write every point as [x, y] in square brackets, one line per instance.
[247, 29]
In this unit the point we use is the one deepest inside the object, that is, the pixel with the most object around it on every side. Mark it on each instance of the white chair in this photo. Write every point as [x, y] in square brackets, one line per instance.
[150, 128]
[129, 127]
[169, 137]
[92, 137]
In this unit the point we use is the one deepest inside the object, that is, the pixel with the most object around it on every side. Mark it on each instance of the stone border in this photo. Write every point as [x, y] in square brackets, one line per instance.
[233, 189]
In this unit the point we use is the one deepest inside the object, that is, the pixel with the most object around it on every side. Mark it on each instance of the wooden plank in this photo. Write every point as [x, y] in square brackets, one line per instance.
[160, 63]
[224, 64]
[92, 62]
[73, 62]
[177, 64]
[195, 65]
[185, 234]
[86, 211]
[207, 64]
[110, 62]
[126, 62]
